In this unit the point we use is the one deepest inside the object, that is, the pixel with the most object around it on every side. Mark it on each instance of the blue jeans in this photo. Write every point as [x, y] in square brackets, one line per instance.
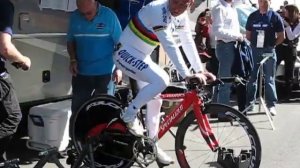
[84, 87]
[225, 53]
[269, 69]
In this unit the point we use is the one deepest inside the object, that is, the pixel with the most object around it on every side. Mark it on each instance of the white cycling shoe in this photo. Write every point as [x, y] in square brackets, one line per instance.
[135, 127]
[133, 124]
[163, 158]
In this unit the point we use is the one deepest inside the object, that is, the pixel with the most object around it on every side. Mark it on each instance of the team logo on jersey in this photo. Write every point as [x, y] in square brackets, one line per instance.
[133, 61]
[100, 25]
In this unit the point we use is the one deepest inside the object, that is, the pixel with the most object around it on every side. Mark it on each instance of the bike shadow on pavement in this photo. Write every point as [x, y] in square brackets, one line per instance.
[18, 149]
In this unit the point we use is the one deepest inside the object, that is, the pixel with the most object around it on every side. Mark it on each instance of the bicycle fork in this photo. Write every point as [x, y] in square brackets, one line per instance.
[205, 128]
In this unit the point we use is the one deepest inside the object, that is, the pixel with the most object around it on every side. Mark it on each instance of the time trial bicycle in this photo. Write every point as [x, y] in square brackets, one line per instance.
[101, 138]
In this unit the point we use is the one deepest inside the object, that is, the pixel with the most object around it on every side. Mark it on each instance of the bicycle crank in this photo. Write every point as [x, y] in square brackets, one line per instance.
[144, 151]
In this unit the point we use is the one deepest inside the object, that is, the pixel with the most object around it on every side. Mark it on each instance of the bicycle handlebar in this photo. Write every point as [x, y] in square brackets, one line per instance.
[218, 81]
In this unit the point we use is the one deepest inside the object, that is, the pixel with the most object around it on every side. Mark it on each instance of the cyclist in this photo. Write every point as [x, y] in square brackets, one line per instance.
[153, 25]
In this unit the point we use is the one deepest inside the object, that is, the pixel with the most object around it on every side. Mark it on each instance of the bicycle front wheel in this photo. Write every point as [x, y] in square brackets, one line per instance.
[239, 144]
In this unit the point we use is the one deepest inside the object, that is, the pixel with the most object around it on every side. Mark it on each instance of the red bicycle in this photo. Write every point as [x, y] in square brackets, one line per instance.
[101, 139]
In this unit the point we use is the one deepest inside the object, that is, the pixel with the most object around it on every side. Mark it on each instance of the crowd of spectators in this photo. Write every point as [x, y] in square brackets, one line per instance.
[267, 31]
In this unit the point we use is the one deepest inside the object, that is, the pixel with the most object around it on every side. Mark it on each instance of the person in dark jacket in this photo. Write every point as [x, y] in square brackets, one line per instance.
[242, 67]
[10, 112]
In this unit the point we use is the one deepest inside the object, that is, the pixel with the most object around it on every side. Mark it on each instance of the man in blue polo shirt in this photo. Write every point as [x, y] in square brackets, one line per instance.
[264, 31]
[93, 32]
[10, 113]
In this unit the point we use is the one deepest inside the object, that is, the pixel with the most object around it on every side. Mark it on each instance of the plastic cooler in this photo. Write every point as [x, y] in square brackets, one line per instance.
[48, 126]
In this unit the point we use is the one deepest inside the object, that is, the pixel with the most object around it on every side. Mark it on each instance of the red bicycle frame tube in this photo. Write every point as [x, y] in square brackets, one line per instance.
[189, 98]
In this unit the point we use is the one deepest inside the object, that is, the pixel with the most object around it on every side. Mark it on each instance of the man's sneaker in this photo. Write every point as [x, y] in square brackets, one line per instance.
[135, 127]
[163, 158]
[273, 111]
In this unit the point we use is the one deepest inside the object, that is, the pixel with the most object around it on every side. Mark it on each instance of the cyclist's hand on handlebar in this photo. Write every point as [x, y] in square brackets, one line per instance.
[201, 77]
[210, 77]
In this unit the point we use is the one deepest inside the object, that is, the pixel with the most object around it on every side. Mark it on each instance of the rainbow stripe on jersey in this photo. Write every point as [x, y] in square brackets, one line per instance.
[142, 32]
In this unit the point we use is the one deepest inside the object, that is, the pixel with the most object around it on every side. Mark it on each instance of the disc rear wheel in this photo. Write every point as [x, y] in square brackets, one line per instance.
[99, 118]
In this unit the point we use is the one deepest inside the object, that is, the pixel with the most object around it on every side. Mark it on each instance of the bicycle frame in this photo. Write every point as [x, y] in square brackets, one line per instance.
[190, 98]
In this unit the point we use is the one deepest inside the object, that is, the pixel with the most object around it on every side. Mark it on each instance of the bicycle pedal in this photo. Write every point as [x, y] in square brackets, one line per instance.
[71, 156]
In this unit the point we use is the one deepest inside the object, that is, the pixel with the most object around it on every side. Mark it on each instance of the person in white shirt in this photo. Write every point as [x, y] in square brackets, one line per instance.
[153, 25]
[226, 28]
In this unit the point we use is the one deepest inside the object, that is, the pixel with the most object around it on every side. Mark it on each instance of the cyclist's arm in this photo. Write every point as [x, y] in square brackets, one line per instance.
[167, 41]
[188, 44]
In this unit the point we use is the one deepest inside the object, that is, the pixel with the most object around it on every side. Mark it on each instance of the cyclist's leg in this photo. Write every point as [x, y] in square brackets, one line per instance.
[143, 69]
[238, 141]
[152, 115]
[152, 124]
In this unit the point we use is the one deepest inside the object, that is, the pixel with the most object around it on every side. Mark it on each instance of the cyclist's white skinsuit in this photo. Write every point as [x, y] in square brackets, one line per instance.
[152, 26]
